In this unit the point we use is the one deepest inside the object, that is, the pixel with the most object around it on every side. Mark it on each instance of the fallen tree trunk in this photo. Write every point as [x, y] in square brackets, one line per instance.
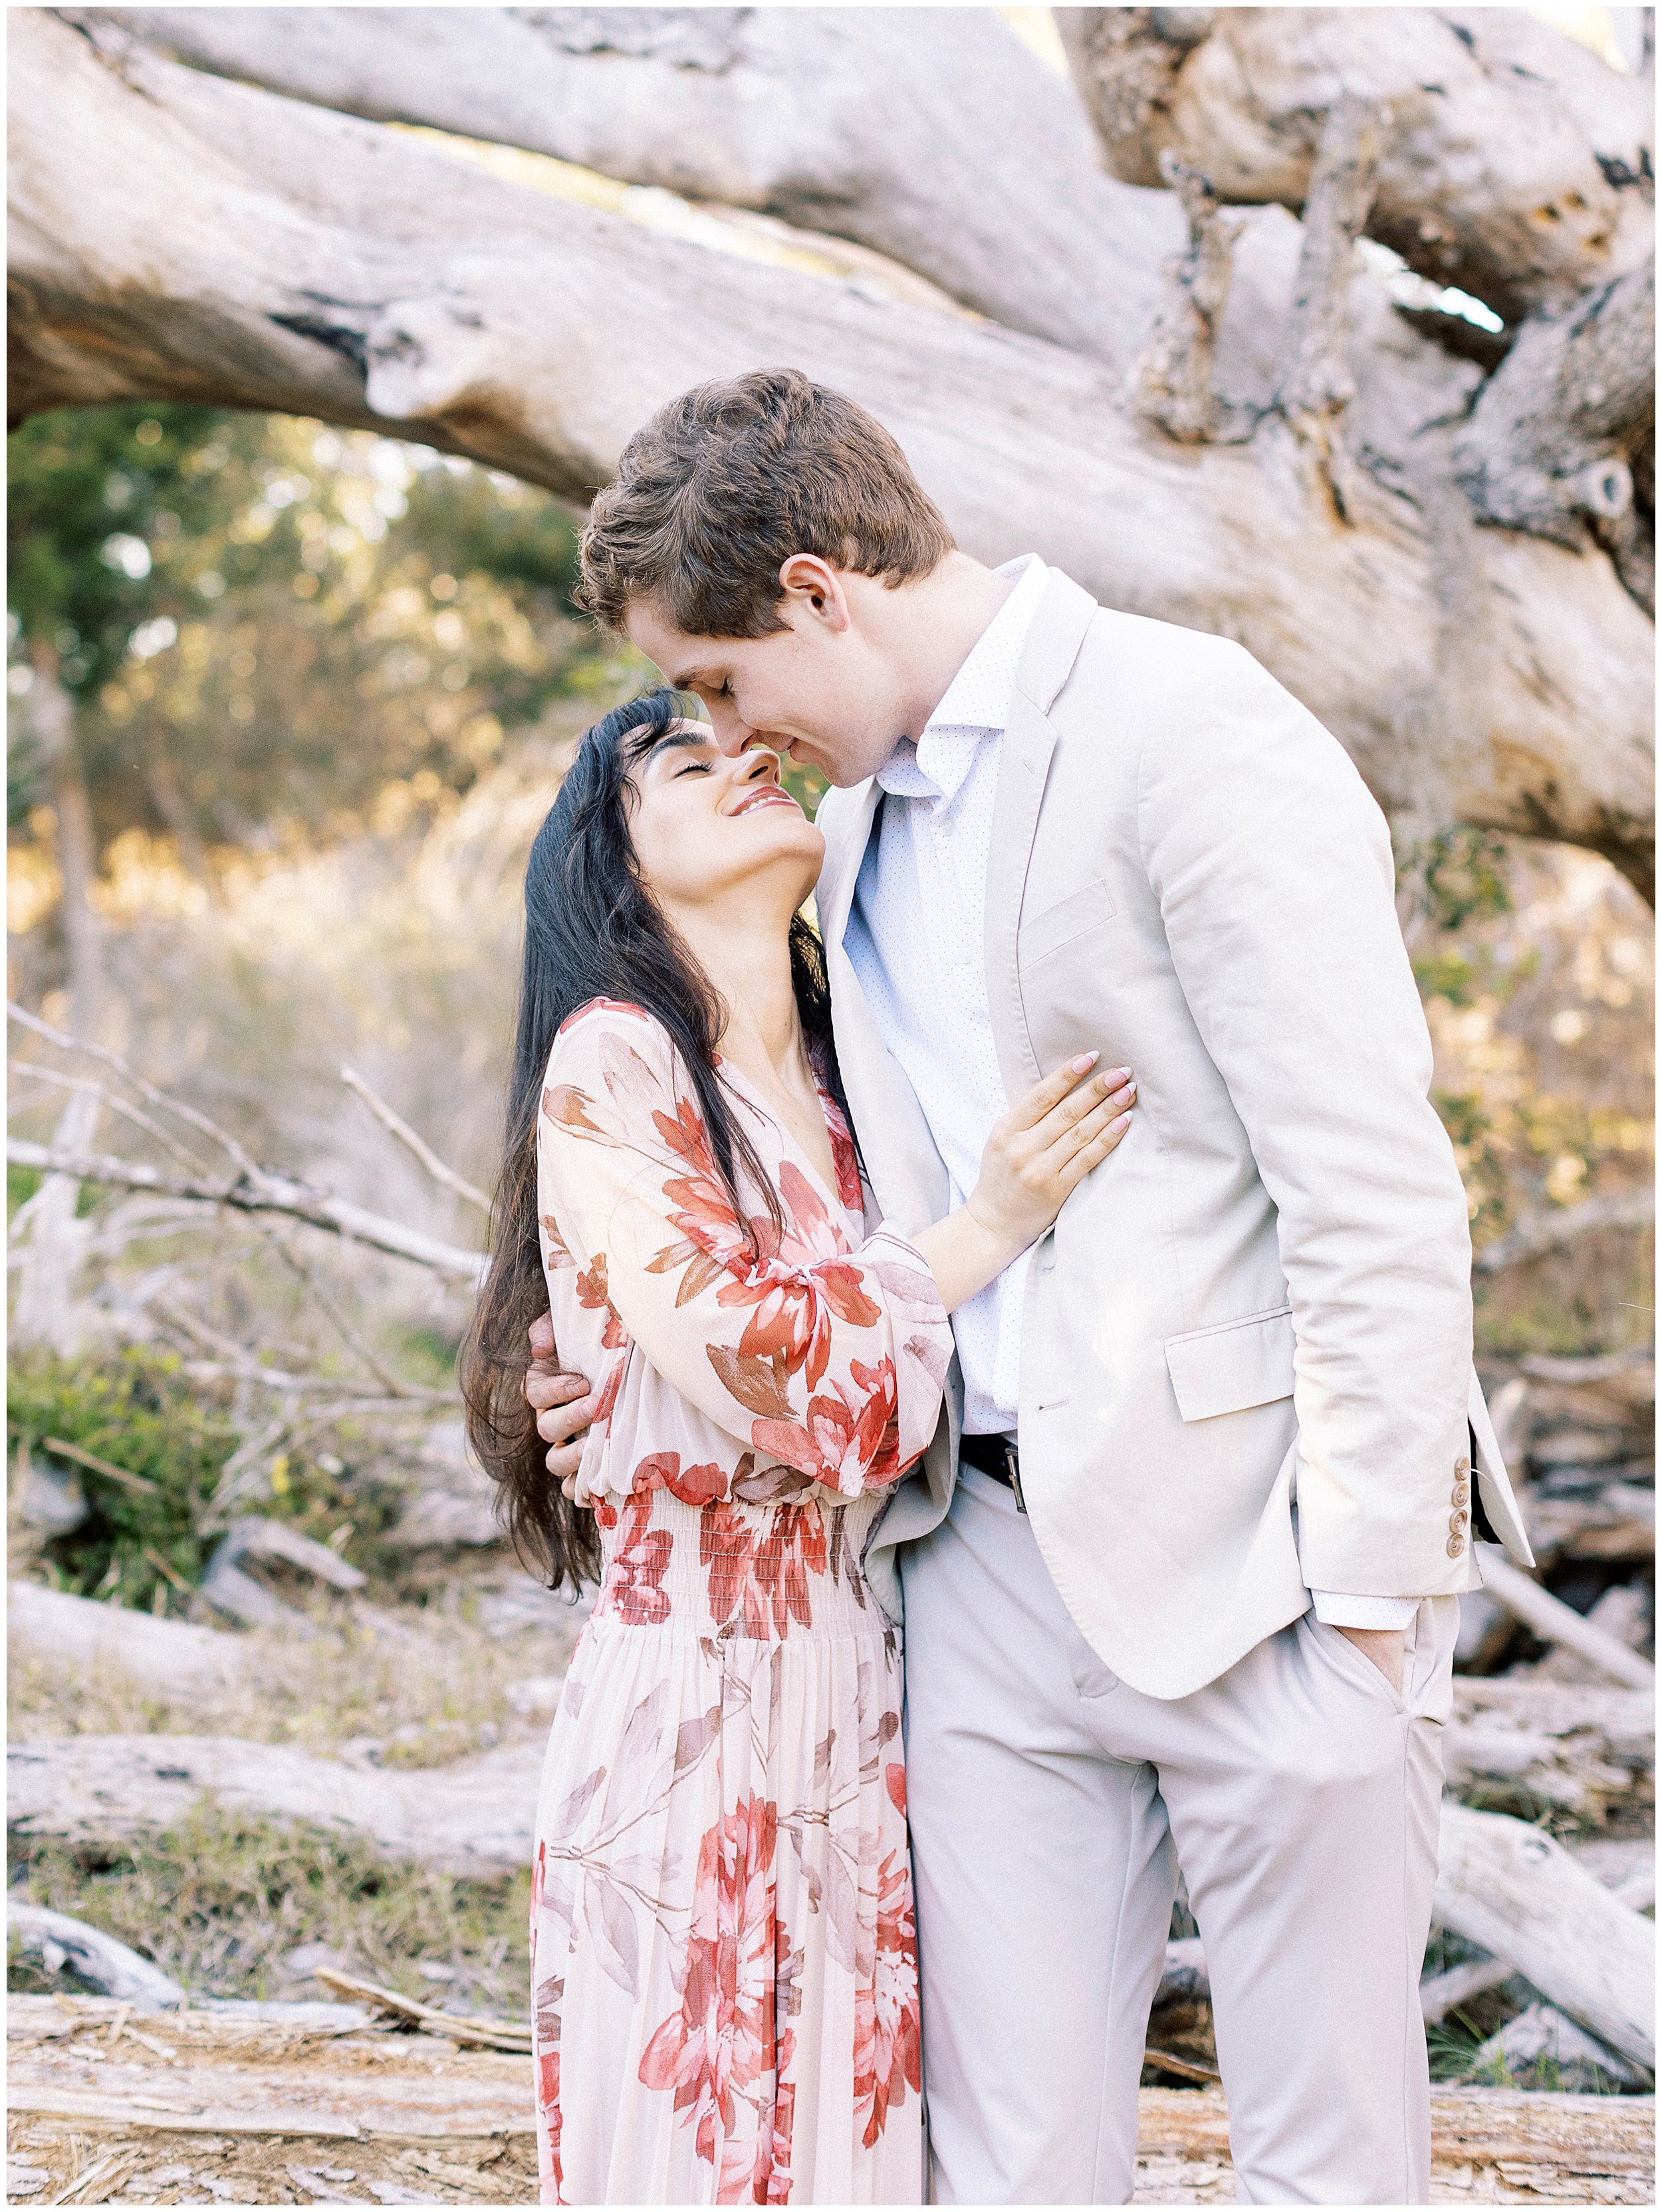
[1512, 1889]
[79, 1633]
[283, 256]
[1518, 165]
[474, 1819]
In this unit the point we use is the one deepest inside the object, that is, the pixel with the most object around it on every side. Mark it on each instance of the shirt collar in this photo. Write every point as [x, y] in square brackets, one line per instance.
[975, 705]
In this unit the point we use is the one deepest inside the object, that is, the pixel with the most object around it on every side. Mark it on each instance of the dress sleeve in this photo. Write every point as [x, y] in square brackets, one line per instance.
[829, 1359]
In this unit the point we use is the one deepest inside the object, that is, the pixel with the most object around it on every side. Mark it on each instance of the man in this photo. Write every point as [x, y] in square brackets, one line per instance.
[1190, 1599]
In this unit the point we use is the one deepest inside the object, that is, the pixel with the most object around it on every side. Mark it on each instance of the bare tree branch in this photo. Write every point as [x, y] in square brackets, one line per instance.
[407, 1136]
[1518, 167]
[129, 1074]
[1549, 443]
[1314, 383]
[260, 1192]
[1174, 383]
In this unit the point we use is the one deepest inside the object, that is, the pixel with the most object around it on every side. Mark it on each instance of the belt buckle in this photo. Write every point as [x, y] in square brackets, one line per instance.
[1012, 1475]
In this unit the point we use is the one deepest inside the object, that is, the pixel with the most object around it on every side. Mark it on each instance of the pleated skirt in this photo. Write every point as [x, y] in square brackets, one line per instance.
[723, 1946]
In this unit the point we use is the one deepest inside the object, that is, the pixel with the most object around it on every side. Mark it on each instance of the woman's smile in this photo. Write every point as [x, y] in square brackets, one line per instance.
[764, 794]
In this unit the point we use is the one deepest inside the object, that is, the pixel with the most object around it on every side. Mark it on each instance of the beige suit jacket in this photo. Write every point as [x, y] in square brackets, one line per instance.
[1247, 1343]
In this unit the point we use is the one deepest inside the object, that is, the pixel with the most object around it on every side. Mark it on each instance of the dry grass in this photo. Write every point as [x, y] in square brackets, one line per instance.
[404, 1687]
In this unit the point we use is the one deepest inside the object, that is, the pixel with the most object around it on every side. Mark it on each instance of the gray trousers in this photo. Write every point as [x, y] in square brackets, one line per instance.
[1050, 1806]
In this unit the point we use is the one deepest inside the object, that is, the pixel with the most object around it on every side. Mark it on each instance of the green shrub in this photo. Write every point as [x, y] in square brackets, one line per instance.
[140, 1412]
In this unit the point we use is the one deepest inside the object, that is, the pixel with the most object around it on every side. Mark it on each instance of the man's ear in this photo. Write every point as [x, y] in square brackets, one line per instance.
[815, 588]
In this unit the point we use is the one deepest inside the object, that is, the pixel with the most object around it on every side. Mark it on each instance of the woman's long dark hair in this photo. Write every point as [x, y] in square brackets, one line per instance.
[594, 931]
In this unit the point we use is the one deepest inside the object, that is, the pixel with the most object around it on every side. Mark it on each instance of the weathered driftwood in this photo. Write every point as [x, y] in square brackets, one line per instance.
[1616, 1521]
[226, 1586]
[474, 1817]
[1541, 2035]
[1627, 1868]
[1518, 164]
[370, 280]
[170, 1657]
[58, 1941]
[472, 2033]
[1555, 1622]
[1523, 1744]
[1547, 449]
[465, 2123]
[1512, 1889]
[932, 136]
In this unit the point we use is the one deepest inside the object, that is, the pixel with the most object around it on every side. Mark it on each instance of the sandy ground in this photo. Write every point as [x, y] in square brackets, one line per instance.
[106, 2107]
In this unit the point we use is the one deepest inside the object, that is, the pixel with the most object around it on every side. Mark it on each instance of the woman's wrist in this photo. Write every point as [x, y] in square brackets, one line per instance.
[964, 1254]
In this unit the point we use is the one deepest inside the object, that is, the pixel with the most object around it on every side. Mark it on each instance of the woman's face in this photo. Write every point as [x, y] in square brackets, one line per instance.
[705, 828]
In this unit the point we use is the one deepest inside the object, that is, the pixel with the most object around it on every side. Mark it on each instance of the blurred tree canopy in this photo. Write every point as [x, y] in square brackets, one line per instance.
[272, 630]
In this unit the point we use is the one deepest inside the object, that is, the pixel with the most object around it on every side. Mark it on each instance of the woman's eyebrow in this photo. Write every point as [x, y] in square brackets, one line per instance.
[691, 735]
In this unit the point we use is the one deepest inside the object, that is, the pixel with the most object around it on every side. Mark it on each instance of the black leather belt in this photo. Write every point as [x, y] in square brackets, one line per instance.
[996, 1456]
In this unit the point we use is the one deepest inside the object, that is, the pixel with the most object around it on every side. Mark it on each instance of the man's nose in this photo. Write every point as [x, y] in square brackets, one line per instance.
[732, 733]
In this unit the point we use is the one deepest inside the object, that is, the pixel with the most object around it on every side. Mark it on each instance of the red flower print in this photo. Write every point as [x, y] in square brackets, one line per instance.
[759, 1571]
[894, 1783]
[888, 2041]
[718, 2052]
[844, 1443]
[843, 1152]
[591, 1293]
[635, 1572]
[692, 1486]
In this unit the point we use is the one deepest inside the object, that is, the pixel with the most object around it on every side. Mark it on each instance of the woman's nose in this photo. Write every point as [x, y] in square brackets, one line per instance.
[759, 765]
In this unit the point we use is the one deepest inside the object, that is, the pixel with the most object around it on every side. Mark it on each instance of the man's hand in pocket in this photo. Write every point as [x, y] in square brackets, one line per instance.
[1384, 1646]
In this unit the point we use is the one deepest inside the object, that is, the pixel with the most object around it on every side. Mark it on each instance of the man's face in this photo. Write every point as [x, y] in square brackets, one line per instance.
[817, 688]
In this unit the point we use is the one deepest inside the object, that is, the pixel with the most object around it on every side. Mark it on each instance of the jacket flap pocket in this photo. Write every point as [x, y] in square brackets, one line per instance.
[1069, 918]
[1225, 1370]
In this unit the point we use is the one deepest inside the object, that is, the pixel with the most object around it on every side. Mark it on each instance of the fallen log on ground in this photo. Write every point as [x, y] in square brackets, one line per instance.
[1523, 1744]
[259, 2109]
[58, 1941]
[473, 1818]
[1555, 1622]
[167, 1655]
[1512, 1889]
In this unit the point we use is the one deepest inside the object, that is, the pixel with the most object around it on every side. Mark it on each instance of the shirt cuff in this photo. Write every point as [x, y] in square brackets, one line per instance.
[1340, 1609]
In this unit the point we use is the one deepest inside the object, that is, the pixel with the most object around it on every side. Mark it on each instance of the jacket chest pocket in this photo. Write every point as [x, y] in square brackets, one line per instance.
[1059, 927]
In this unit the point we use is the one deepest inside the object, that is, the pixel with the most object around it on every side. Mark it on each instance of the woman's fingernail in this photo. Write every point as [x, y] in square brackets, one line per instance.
[1085, 1060]
[1123, 1121]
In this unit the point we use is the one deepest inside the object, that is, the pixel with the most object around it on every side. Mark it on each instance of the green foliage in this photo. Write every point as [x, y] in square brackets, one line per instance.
[139, 1412]
[219, 1901]
[1481, 1158]
[264, 624]
[1462, 875]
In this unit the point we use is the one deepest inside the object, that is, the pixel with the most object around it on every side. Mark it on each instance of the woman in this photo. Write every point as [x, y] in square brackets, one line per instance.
[724, 1966]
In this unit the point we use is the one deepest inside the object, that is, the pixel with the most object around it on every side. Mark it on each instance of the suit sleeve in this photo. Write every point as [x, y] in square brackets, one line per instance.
[1273, 870]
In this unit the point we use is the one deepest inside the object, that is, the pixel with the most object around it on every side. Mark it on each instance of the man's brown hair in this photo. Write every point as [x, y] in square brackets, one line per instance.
[717, 492]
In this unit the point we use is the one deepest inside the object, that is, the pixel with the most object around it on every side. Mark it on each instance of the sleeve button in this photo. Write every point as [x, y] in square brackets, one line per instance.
[1455, 1547]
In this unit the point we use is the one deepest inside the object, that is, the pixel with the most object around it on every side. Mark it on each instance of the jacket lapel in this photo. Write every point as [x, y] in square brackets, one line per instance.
[904, 1170]
[1058, 630]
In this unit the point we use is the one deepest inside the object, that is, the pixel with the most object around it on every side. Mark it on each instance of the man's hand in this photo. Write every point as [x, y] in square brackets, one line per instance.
[1384, 1646]
[562, 1403]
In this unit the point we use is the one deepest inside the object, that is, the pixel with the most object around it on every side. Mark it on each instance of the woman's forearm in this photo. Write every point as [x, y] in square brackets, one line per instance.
[962, 1256]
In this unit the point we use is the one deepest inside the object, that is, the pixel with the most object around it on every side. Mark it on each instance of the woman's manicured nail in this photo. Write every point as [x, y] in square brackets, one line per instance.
[1123, 1121]
[1085, 1060]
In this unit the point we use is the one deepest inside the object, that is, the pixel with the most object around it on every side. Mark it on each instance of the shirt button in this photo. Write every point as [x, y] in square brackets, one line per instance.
[1455, 1547]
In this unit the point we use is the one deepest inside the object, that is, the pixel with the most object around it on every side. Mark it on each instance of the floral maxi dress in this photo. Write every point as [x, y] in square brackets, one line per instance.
[722, 1951]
